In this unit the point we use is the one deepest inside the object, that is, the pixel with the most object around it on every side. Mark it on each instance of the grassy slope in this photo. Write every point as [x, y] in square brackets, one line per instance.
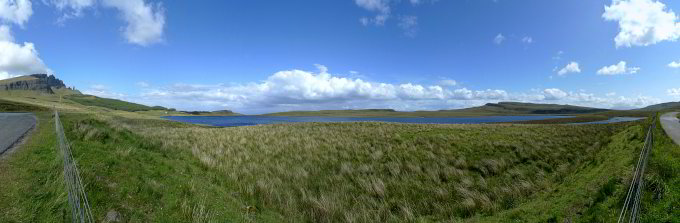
[662, 180]
[12, 106]
[89, 100]
[32, 181]
[308, 176]
[21, 78]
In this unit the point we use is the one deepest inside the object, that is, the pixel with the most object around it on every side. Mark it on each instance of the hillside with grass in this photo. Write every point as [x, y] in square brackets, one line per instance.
[668, 106]
[152, 170]
[90, 100]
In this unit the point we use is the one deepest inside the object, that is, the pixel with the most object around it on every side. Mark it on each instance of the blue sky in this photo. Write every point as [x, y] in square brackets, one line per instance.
[260, 56]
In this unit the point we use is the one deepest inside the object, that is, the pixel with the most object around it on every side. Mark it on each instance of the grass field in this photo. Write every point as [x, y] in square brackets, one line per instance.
[153, 170]
[156, 170]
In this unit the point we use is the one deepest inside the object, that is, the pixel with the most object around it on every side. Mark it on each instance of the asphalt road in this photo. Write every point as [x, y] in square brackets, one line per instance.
[671, 125]
[12, 127]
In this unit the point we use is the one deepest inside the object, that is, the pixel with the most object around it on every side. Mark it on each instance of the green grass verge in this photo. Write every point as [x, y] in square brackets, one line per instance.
[11, 106]
[661, 200]
[32, 188]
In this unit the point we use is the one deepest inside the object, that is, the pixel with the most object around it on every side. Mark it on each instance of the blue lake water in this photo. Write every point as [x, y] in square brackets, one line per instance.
[260, 120]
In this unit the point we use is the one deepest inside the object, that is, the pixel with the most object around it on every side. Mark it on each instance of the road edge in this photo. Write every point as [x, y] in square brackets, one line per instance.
[21, 140]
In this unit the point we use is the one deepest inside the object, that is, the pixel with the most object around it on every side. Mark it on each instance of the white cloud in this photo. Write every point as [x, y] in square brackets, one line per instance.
[619, 68]
[611, 94]
[304, 90]
[6, 34]
[104, 92]
[71, 8]
[381, 7]
[554, 94]
[572, 67]
[675, 92]
[674, 64]
[499, 38]
[299, 89]
[145, 22]
[15, 11]
[17, 59]
[409, 24]
[642, 22]
[448, 82]
[527, 39]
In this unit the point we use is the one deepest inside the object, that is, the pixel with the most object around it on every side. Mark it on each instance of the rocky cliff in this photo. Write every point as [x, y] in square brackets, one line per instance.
[36, 82]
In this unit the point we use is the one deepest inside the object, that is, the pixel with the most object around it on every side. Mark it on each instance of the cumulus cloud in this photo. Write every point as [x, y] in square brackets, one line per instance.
[15, 11]
[572, 67]
[527, 40]
[304, 90]
[675, 92]
[554, 94]
[499, 39]
[616, 69]
[298, 89]
[145, 22]
[409, 24]
[674, 64]
[18, 59]
[642, 22]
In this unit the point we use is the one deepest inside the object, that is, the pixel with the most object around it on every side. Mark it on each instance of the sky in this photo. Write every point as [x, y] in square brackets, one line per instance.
[260, 56]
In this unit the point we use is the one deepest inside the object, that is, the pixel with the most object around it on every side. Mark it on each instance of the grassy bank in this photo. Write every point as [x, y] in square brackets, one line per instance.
[32, 188]
[576, 119]
[11, 106]
[661, 200]
[151, 170]
[367, 172]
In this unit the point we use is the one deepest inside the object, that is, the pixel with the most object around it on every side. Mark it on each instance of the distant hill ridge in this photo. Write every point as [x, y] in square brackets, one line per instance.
[532, 108]
[662, 106]
[35, 82]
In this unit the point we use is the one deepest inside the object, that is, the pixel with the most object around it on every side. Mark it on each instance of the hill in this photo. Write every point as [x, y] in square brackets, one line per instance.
[662, 107]
[210, 113]
[90, 100]
[533, 108]
[501, 108]
[36, 82]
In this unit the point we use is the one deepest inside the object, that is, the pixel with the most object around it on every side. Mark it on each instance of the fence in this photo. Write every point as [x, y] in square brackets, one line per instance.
[77, 199]
[632, 202]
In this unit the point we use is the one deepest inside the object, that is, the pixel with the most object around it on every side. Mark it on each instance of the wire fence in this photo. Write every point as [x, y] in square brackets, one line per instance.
[77, 199]
[631, 206]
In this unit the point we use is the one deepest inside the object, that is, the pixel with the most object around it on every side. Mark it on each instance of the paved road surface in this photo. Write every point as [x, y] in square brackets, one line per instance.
[12, 127]
[671, 125]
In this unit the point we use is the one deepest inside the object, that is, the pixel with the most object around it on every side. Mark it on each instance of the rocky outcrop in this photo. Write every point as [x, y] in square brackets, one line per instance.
[39, 82]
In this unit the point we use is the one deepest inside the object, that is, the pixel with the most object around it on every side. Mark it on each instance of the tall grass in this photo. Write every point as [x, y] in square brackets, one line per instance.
[358, 172]
[150, 170]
